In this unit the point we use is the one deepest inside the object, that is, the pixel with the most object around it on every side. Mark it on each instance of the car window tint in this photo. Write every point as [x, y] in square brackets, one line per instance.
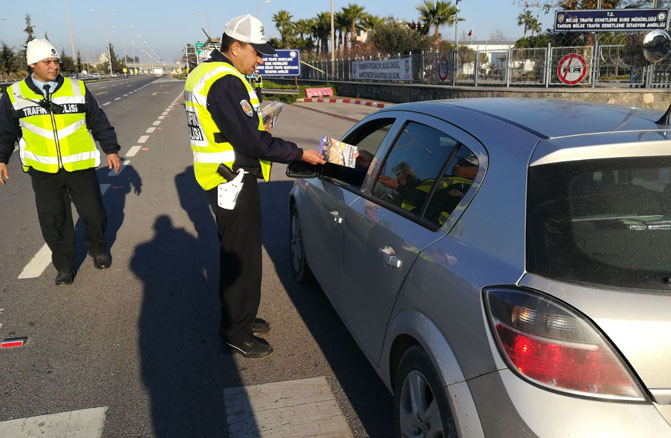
[412, 166]
[452, 186]
[601, 221]
[367, 139]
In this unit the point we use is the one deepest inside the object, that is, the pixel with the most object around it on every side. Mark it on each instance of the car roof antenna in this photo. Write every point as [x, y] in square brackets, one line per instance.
[664, 120]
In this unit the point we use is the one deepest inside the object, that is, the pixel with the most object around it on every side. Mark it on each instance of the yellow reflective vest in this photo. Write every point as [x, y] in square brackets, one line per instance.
[50, 142]
[207, 152]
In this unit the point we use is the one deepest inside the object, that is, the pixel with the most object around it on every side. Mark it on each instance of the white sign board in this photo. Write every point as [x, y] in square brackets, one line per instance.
[388, 70]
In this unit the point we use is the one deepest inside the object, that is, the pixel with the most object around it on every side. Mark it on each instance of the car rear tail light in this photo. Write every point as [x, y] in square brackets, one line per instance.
[554, 346]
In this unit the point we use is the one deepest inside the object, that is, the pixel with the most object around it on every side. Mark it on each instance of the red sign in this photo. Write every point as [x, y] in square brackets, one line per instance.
[443, 68]
[572, 69]
[318, 92]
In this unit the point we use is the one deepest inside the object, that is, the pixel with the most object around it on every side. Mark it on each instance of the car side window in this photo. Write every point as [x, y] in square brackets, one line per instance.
[367, 139]
[412, 166]
[452, 186]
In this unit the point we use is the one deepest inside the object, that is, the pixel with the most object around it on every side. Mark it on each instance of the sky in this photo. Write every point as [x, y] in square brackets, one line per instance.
[164, 27]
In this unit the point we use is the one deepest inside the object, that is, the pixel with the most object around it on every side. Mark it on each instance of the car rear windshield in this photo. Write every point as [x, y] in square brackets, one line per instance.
[604, 222]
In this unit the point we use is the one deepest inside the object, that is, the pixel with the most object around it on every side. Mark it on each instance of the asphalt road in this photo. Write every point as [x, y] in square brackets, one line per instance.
[140, 338]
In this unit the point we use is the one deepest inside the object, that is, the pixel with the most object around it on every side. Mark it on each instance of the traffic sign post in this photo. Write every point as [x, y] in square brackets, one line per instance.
[572, 69]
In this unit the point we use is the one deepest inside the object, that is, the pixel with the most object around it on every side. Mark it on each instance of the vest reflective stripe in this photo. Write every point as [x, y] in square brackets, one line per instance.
[207, 153]
[52, 141]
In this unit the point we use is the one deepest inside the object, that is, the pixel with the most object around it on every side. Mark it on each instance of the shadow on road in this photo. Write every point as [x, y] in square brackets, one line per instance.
[366, 392]
[182, 368]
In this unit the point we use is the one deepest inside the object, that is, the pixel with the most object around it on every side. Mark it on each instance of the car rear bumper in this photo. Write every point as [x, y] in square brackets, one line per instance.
[509, 406]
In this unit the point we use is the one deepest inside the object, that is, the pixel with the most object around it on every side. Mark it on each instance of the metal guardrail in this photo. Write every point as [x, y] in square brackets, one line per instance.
[289, 91]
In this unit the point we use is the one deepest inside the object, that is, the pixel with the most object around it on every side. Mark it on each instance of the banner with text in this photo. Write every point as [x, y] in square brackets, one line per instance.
[386, 70]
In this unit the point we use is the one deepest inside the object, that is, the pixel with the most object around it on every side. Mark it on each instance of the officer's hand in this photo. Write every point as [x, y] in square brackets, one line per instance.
[268, 126]
[113, 161]
[313, 157]
[4, 173]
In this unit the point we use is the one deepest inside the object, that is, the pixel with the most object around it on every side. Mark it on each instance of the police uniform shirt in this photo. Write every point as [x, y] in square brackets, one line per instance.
[228, 103]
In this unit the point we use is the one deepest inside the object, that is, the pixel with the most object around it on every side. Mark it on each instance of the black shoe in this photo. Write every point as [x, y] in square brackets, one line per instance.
[253, 348]
[65, 277]
[260, 326]
[101, 260]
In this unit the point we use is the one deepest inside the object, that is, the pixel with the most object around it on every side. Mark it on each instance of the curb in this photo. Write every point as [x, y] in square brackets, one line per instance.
[352, 101]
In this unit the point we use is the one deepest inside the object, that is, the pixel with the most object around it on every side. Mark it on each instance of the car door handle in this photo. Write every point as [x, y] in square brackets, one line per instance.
[389, 257]
[335, 216]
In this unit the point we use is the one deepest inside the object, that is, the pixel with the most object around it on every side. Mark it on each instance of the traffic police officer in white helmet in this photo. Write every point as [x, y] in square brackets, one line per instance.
[55, 121]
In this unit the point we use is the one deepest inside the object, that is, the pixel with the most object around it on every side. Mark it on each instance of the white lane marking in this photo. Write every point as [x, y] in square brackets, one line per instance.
[150, 130]
[118, 98]
[125, 95]
[161, 117]
[133, 151]
[165, 113]
[85, 423]
[304, 407]
[106, 103]
[123, 166]
[34, 269]
[157, 122]
[143, 139]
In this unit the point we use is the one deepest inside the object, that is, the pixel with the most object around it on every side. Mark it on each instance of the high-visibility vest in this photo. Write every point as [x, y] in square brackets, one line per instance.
[208, 153]
[50, 142]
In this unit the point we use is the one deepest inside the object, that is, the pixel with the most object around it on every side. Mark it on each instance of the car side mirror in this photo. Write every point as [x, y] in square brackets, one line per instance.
[301, 169]
[656, 45]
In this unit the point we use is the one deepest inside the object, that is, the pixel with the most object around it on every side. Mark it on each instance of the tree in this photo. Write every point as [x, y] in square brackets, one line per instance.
[436, 14]
[285, 26]
[340, 25]
[529, 22]
[79, 62]
[353, 14]
[323, 30]
[29, 29]
[67, 63]
[398, 38]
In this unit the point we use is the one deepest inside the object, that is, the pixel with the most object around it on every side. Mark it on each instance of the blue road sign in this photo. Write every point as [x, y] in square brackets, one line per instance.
[284, 63]
[611, 20]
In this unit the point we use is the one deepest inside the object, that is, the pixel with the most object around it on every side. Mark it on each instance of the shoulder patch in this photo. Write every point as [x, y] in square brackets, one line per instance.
[247, 107]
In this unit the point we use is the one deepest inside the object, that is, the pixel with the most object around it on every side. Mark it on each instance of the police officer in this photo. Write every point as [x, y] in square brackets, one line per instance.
[226, 128]
[50, 116]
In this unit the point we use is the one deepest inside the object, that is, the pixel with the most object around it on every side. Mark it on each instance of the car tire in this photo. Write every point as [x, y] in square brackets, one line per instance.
[421, 408]
[299, 265]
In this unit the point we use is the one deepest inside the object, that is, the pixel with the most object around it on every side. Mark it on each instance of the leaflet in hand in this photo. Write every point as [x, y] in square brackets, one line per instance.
[271, 113]
[337, 152]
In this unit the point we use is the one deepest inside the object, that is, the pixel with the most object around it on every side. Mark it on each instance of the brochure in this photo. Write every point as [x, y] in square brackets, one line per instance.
[271, 113]
[337, 152]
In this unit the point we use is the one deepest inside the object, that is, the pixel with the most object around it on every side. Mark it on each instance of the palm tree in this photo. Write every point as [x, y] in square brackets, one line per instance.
[436, 14]
[323, 30]
[305, 27]
[284, 24]
[340, 24]
[370, 21]
[529, 22]
[353, 14]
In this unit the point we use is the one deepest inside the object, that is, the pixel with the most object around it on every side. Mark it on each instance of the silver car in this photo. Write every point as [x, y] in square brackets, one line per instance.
[505, 265]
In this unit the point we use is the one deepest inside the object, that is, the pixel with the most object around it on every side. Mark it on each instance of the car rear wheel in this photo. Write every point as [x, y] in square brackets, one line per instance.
[421, 407]
[299, 265]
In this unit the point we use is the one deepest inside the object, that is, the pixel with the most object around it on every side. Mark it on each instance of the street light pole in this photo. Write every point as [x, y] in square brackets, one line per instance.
[109, 54]
[123, 38]
[72, 41]
[207, 20]
[258, 4]
[332, 39]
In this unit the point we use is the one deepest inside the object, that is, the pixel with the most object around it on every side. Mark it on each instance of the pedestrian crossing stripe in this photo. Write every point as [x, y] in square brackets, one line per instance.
[85, 423]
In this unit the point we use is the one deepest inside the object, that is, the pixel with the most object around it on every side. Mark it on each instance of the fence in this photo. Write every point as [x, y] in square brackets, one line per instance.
[570, 66]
